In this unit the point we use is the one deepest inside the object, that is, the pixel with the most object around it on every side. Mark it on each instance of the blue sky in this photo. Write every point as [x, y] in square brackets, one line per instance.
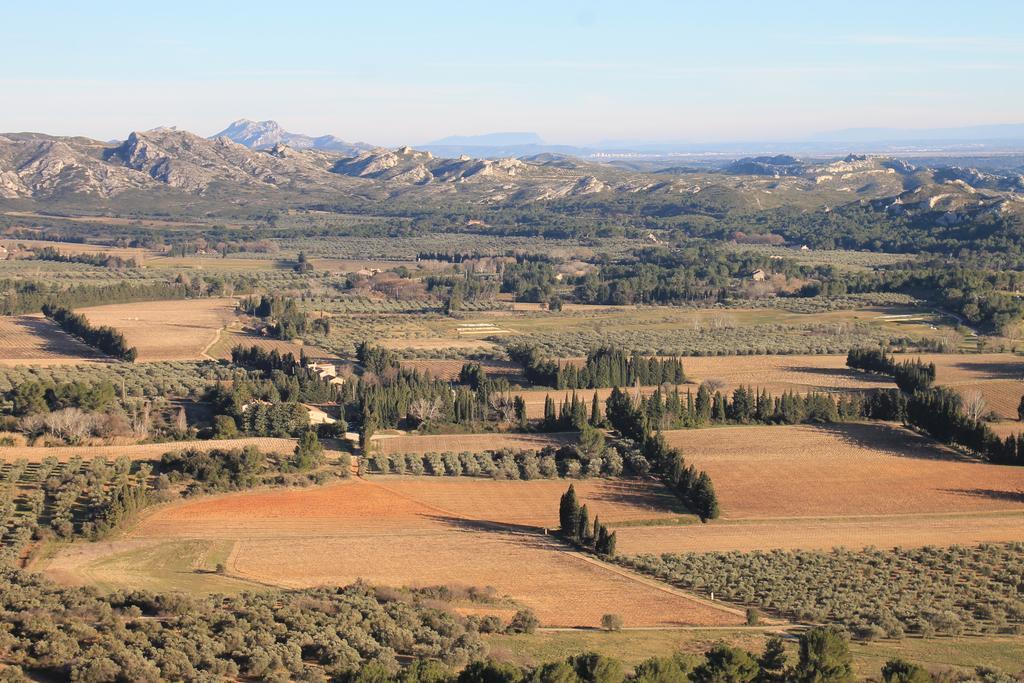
[574, 72]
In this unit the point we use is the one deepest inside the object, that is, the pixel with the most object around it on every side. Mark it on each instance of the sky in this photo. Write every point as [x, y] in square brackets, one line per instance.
[574, 72]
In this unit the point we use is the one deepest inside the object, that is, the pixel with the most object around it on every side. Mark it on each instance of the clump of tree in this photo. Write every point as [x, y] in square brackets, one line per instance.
[284, 317]
[101, 260]
[105, 338]
[84, 635]
[863, 590]
[693, 487]
[577, 461]
[575, 525]
[606, 366]
[909, 375]
[745, 405]
[217, 469]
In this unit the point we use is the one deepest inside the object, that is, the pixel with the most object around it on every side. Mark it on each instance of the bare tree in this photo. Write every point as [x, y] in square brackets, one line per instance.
[33, 425]
[975, 406]
[713, 384]
[70, 424]
[180, 422]
[425, 409]
[140, 417]
[503, 405]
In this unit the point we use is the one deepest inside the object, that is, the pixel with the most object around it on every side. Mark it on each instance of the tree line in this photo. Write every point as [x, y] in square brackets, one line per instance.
[26, 296]
[909, 375]
[606, 366]
[101, 260]
[574, 522]
[285, 318]
[937, 411]
[105, 338]
[693, 487]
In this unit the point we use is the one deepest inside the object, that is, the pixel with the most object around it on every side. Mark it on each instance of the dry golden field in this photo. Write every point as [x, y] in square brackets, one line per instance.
[167, 330]
[779, 374]
[473, 443]
[843, 470]
[824, 533]
[509, 502]
[409, 532]
[1005, 428]
[230, 338]
[34, 340]
[997, 377]
[147, 451]
[138, 253]
[434, 344]
[852, 485]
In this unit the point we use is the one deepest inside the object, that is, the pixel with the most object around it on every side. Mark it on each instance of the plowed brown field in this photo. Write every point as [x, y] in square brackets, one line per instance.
[843, 470]
[779, 374]
[146, 451]
[850, 485]
[421, 532]
[167, 330]
[997, 377]
[34, 340]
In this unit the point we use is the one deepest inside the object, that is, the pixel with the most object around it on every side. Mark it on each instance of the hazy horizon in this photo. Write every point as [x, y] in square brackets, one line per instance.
[576, 73]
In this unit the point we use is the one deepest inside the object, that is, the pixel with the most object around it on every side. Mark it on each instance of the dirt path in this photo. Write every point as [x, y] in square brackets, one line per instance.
[205, 353]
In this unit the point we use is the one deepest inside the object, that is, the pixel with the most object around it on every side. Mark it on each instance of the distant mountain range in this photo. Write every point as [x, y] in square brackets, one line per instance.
[167, 169]
[980, 139]
[267, 134]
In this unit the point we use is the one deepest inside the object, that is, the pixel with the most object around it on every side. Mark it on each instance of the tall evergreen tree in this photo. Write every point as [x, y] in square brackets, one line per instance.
[583, 526]
[824, 656]
[569, 512]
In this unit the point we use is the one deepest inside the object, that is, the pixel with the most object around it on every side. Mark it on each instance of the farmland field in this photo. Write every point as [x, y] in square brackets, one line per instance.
[840, 470]
[167, 330]
[230, 338]
[137, 253]
[34, 340]
[841, 485]
[997, 377]
[406, 533]
[778, 374]
[148, 451]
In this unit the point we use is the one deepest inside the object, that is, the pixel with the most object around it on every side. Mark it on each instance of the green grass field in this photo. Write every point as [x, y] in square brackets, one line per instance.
[936, 654]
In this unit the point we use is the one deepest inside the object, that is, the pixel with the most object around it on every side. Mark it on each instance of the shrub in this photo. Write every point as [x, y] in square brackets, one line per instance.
[611, 622]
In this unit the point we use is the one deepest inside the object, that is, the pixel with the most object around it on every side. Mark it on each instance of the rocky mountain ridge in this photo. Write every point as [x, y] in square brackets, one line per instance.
[174, 165]
[268, 134]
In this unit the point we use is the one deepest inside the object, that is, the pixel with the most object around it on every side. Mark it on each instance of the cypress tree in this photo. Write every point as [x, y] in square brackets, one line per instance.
[569, 512]
[595, 412]
[609, 544]
[583, 526]
[704, 500]
[519, 405]
[550, 420]
[718, 413]
[703, 405]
